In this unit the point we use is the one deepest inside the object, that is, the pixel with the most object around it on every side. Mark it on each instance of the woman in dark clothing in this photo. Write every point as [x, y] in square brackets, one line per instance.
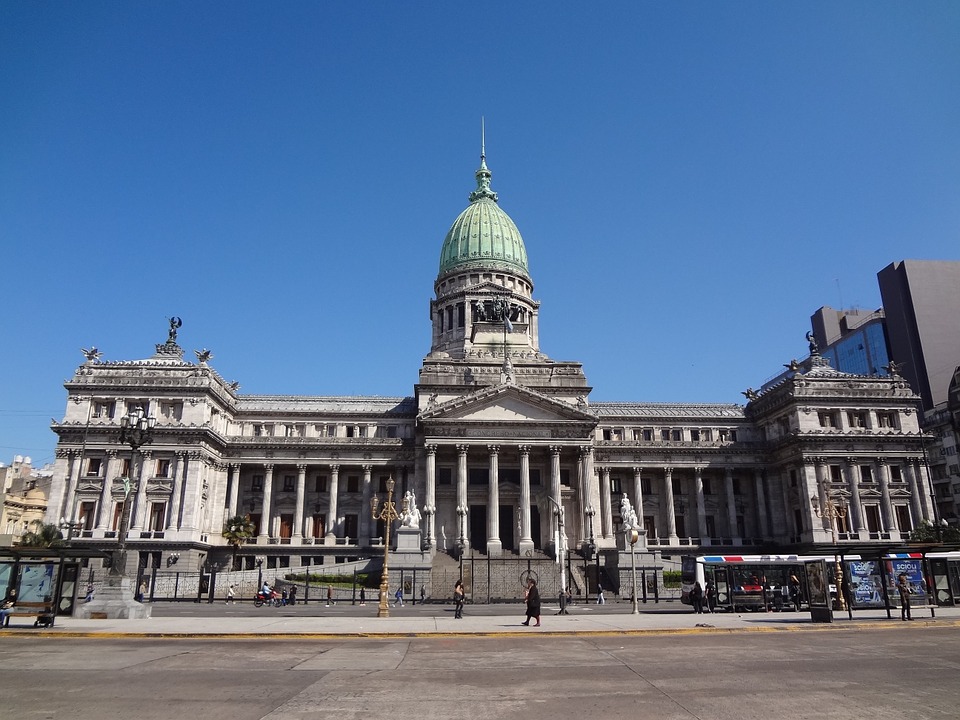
[458, 598]
[533, 602]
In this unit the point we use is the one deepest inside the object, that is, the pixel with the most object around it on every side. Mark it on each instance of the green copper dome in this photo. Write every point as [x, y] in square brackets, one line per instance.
[483, 236]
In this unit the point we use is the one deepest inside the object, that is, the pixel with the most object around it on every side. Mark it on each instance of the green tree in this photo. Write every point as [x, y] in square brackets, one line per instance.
[927, 532]
[237, 531]
[42, 535]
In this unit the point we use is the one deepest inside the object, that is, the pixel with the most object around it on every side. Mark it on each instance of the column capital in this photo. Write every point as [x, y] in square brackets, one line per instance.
[668, 470]
[555, 449]
[268, 467]
[236, 466]
[431, 449]
[113, 452]
[493, 449]
[586, 450]
[335, 468]
[301, 467]
[637, 470]
[367, 468]
[524, 449]
[463, 449]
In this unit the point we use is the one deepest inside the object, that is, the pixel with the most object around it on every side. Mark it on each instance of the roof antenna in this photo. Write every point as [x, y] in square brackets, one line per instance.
[483, 141]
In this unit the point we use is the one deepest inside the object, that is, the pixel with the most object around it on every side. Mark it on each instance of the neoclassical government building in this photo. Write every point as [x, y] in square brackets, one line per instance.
[495, 436]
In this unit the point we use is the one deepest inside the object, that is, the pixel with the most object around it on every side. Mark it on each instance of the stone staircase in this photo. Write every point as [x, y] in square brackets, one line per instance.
[496, 579]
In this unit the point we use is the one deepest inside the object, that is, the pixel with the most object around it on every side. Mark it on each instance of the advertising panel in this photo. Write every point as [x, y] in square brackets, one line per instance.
[866, 584]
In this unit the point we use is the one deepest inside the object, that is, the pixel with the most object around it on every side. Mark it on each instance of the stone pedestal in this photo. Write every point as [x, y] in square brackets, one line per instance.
[526, 548]
[113, 601]
[624, 546]
[408, 539]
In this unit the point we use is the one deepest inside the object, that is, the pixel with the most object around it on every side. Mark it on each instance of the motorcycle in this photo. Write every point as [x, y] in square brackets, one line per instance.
[271, 598]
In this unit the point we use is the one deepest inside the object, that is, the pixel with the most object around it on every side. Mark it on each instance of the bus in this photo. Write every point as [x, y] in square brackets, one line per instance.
[752, 582]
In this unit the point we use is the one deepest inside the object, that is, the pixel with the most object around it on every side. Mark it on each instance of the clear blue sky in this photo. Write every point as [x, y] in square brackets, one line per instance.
[692, 181]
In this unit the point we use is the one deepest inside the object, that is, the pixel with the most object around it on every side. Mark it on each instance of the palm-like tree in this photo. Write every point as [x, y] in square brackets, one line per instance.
[237, 531]
[42, 535]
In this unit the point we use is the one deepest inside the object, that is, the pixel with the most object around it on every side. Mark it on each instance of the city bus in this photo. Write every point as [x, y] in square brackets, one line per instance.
[751, 582]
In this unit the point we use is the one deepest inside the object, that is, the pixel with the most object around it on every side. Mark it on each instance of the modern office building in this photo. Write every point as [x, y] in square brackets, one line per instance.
[854, 341]
[921, 300]
[494, 439]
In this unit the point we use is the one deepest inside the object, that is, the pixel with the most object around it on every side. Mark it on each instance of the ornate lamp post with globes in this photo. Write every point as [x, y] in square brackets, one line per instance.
[388, 513]
[835, 512]
[115, 599]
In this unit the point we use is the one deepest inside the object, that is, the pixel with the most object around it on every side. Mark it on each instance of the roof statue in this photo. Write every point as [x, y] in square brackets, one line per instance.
[814, 350]
[203, 355]
[893, 368]
[793, 366]
[92, 355]
[175, 323]
[750, 394]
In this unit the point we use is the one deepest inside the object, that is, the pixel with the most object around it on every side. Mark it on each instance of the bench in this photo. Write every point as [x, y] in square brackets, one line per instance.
[44, 612]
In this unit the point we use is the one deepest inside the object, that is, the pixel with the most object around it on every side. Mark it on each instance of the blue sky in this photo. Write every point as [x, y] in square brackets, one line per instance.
[692, 181]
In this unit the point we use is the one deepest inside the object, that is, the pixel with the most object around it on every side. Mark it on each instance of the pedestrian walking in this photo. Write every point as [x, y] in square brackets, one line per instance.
[330, 600]
[363, 595]
[292, 597]
[231, 596]
[600, 600]
[710, 595]
[533, 603]
[458, 599]
[398, 597]
[141, 591]
[423, 594]
[903, 588]
[793, 587]
[284, 596]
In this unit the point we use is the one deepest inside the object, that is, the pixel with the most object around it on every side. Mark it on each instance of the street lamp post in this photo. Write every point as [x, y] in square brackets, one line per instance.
[387, 513]
[561, 552]
[591, 548]
[835, 512]
[136, 430]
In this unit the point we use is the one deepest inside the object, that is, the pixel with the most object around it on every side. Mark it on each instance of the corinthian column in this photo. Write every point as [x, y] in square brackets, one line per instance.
[430, 504]
[330, 532]
[298, 509]
[526, 542]
[494, 546]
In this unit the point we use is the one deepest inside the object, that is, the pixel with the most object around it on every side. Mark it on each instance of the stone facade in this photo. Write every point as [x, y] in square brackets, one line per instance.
[494, 439]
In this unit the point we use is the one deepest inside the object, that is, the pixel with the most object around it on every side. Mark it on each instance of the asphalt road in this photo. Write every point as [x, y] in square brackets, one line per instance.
[891, 672]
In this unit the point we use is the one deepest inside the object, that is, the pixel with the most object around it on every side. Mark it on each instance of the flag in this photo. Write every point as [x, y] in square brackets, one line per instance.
[507, 323]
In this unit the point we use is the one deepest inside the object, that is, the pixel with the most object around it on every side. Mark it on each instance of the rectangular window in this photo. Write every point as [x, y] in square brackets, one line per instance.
[723, 435]
[288, 483]
[872, 513]
[736, 488]
[904, 523]
[711, 524]
[887, 419]
[353, 483]
[616, 485]
[256, 484]
[158, 512]
[706, 435]
[676, 435]
[350, 525]
[102, 409]
[647, 435]
[895, 474]
[444, 476]
[171, 410]
[478, 476]
[677, 484]
[665, 434]
[866, 474]
[87, 515]
[565, 477]
[857, 418]
[707, 486]
[695, 435]
[163, 468]
[461, 314]
[351, 431]
[320, 484]
[534, 476]
[827, 419]
[391, 431]
[94, 466]
[606, 434]
[793, 478]
[646, 487]
[836, 476]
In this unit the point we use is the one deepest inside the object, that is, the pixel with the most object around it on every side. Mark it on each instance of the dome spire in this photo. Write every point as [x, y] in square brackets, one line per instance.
[483, 174]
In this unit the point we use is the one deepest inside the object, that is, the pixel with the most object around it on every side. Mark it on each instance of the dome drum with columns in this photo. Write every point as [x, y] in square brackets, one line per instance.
[495, 437]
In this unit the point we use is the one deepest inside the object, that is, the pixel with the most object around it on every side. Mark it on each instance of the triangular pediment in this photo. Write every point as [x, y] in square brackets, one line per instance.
[507, 403]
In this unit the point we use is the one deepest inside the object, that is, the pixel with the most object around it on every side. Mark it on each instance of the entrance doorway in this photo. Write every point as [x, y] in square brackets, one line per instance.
[478, 527]
[507, 528]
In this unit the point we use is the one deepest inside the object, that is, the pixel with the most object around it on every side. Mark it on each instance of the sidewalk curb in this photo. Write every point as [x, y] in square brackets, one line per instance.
[395, 635]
